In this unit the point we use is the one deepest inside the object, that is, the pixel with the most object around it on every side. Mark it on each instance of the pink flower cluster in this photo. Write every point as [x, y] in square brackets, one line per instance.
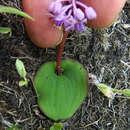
[72, 14]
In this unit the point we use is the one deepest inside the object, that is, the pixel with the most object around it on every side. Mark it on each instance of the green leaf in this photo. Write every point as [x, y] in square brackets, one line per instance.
[11, 10]
[126, 92]
[14, 127]
[106, 90]
[59, 96]
[22, 83]
[21, 69]
[57, 126]
[5, 30]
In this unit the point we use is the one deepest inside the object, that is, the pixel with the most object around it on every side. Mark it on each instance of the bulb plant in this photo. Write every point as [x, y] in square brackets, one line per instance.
[61, 86]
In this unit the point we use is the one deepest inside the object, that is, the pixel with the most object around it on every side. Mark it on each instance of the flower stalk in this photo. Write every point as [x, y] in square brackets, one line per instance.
[60, 51]
[70, 15]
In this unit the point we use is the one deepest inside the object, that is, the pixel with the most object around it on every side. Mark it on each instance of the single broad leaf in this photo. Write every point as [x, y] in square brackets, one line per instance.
[5, 30]
[57, 126]
[59, 96]
[21, 69]
[11, 10]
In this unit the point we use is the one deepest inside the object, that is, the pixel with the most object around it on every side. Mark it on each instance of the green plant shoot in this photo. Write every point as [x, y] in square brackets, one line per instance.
[57, 126]
[109, 92]
[10, 10]
[22, 72]
[6, 30]
[14, 127]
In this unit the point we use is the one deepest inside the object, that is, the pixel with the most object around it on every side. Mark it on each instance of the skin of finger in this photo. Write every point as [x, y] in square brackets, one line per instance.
[42, 31]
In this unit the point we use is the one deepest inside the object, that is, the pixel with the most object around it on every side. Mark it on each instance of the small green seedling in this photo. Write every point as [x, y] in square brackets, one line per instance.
[22, 72]
[106, 90]
[13, 127]
[10, 10]
[6, 30]
[110, 92]
[57, 126]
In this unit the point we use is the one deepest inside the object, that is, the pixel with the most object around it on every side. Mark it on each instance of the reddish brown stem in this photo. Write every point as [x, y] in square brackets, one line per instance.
[60, 51]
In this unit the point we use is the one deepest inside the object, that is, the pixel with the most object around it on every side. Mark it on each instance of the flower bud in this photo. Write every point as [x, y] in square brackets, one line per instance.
[55, 7]
[90, 13]
[79, 14]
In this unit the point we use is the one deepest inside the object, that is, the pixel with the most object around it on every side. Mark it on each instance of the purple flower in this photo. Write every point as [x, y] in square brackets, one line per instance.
[55, 7]
[72, 14]
[90, 13]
